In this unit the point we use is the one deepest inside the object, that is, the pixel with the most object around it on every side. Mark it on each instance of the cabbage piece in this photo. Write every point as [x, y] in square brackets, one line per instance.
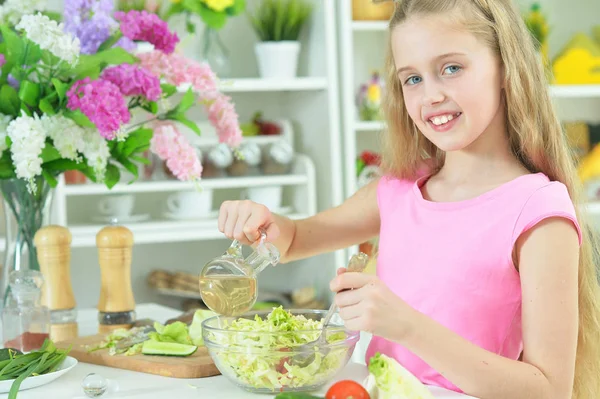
[196, 327]
[389, 380]
[173, 332]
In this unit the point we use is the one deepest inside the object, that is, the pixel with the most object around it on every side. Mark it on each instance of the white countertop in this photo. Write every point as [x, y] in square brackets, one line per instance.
[130, 384]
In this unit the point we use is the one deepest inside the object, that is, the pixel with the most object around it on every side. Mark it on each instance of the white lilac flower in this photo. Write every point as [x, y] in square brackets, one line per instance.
[4, 121]
[66, 135]
[96, 152]
[12, 11]
[49, 35]
[28, 139]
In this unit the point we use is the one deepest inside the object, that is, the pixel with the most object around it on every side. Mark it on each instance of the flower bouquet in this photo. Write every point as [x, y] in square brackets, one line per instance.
[75, 96]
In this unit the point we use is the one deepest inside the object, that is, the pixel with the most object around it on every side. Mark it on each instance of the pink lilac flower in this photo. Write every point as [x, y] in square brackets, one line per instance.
[147, 27]
[102, 102]
[2, 60]
[134, 80]
[178, 70]
[172, 147]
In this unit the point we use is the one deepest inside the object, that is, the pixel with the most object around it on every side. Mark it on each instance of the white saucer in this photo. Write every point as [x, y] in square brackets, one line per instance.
[122, 219]
[183, 216]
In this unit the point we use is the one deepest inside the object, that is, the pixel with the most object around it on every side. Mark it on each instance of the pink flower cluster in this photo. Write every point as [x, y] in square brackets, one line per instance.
[134, 80]
[102, 102]
[178, 70]
[173, 148]
[147, 27]
[2, 60]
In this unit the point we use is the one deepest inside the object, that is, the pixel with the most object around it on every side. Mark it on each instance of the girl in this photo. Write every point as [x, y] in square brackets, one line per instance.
[485, 279]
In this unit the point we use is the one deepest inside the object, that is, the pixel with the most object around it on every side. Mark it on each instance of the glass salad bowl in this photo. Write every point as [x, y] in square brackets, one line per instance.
[264, 351]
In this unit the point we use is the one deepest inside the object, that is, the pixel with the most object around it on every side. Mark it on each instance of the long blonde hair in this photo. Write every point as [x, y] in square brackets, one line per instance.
[535, 135]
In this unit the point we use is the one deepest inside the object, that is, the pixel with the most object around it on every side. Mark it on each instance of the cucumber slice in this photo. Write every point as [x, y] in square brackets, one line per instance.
[152, 347]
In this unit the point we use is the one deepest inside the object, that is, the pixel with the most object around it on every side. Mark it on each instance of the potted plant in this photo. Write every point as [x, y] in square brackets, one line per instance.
[68, 102]
[278, 24]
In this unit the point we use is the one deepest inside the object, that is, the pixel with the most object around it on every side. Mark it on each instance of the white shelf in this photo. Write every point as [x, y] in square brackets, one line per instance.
[164, 186]
[361, 126]
[575, 91]
[260, 85]
[370, 26]
[157, 231]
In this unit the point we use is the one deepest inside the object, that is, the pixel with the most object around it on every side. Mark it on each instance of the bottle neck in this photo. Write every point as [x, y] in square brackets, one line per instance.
[265, 254]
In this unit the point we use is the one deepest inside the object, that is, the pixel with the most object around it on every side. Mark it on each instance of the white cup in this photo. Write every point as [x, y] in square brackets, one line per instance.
[116, 205]
[269, 196]
[190, 203]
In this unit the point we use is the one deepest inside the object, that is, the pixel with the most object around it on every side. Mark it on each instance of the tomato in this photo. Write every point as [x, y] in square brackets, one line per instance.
[347, 389]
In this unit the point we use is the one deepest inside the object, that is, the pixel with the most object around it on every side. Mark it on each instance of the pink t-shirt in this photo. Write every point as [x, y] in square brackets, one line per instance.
[452, 261]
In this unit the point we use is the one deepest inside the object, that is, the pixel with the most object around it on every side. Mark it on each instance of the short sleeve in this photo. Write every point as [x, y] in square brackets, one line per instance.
[389, 189]
[551, 200]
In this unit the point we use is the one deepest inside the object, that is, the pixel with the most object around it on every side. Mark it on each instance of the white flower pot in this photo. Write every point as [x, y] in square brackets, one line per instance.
[277, 59]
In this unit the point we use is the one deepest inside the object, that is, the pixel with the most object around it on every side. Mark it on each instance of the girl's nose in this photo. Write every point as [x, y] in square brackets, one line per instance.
[433, 95]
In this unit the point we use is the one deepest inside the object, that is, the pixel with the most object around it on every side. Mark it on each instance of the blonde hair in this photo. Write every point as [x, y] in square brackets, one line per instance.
[535, 135]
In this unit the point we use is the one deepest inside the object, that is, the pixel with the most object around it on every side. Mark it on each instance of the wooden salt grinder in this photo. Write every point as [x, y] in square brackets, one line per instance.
[53, 245]
[116, 305]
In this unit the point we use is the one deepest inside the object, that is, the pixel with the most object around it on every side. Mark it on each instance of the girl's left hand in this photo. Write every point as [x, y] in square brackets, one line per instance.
[367, 304]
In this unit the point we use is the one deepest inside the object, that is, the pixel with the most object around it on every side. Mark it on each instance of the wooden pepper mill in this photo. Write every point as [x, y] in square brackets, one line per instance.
[53, 245]
[116, 306]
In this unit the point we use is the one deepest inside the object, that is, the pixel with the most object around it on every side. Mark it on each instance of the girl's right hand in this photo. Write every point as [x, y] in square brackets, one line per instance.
[244, 220]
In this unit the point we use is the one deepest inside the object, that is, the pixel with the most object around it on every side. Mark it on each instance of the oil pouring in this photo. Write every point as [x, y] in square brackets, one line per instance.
[228, 283]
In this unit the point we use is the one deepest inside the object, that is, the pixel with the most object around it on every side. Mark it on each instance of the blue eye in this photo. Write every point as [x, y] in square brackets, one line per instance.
[413, 80]
[452, 69]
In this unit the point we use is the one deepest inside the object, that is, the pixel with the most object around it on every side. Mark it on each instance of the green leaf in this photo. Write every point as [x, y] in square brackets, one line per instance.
[80, 118]
[175, 8]
[90, 65]
[9, 101]
[25, 109]
[137, 139]
[111, 41]
[46, 107]
[55, 16]
[168, 90]
[130, 166]
[15, 47]
[236, 8]
[63, 165]
[185, 121]
[212, 19]
[151, 107]
[50, 153]
[141, 160]
[49, 178]
[188, 100]
[33, 53]
[7, 170]
[29, 92]
[61, 88]
[192, 6]
[112, 176]
[190, 27]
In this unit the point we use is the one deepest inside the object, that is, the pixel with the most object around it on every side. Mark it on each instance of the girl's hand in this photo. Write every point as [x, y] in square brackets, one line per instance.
[243, 220]
[367, 304]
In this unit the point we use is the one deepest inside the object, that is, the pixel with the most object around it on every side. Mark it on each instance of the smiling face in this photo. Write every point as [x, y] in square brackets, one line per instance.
[451, 82]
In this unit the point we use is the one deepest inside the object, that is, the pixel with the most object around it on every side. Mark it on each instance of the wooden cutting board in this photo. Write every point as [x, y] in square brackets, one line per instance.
[197, 365]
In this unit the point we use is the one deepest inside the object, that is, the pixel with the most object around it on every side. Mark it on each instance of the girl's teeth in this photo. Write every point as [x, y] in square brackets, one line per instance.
[440, 120]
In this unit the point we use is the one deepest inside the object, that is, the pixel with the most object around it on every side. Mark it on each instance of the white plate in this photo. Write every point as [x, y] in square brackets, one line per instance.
[38, 380]
[122, 219]
[183, 216]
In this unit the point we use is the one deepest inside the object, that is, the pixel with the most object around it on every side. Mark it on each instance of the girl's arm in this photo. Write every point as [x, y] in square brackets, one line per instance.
[354, 221]
[548, 265]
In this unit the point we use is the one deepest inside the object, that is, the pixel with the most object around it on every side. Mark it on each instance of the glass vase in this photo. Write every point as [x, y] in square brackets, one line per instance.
[215, 54]
[25, 213]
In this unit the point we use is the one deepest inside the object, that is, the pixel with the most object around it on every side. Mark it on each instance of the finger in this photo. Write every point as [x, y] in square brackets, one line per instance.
[223, 215]
[348, 298]
[341, 270]
[350, 280]
[254, 223]
[350, 312]
[272, 232]
[232, 216]
[238, 230]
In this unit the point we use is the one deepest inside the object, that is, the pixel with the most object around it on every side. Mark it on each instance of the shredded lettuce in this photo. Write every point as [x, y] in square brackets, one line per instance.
[263, 360]
[388, 380]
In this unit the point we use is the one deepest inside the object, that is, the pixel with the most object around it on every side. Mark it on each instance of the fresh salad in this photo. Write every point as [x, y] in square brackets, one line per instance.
[264, 360]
